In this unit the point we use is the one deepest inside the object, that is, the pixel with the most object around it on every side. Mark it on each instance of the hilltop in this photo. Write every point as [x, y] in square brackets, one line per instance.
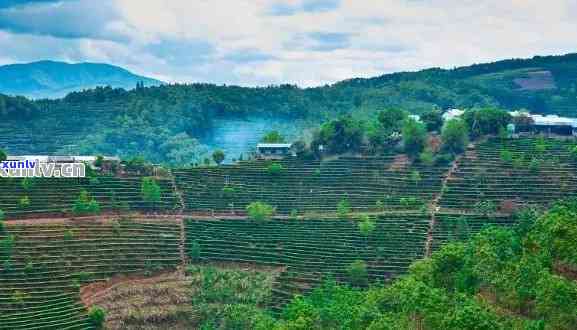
[51, 79]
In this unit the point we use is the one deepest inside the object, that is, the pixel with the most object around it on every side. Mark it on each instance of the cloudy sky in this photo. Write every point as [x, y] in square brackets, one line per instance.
[261, 42]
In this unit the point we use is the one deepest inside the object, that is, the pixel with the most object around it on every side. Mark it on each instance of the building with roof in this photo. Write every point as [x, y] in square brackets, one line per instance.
[452, 114]
[549, 124]
[274, 150]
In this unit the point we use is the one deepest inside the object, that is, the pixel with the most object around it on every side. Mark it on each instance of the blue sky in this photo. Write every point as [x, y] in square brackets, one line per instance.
[262, 42]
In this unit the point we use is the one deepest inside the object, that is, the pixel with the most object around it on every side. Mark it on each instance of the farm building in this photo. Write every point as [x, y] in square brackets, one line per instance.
[549, 124]
[273, 150]
[452, 114]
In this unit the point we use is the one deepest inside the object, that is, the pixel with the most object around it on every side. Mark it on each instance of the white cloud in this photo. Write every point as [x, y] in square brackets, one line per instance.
[309, 43]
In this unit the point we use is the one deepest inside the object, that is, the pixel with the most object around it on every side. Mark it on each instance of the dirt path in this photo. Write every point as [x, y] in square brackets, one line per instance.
[434, 205]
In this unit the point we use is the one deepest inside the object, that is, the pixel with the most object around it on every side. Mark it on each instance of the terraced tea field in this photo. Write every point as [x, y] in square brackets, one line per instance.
[311, 186]
[415, 208]
[45, 265]
[56, 195]
[513, 173]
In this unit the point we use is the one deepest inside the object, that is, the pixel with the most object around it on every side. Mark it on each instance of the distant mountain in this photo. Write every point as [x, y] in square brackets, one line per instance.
[50, 79]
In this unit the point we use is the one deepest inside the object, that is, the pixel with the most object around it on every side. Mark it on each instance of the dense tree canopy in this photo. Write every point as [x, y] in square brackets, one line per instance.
[455, 136]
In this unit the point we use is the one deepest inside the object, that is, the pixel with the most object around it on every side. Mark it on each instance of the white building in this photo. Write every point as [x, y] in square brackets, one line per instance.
[452, 114]
[273, 150]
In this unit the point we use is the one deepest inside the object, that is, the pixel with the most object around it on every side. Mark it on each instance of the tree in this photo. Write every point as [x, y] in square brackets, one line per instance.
[273, 137]
[357, 272]
[344, 208]
[259, 211]
[366, 226]
[486, 120]
[24, 202]
[557, 301]
[275, 169]
[97, 316]
[150, 190]
[3, 155]
[218, 156]
[391, 119]
[433, 120]
[414, 137]
[455, 136]
[85, 205]
[339, 136]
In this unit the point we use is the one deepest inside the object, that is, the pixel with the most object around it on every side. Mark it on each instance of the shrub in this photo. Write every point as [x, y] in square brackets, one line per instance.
[150, 190]
[227, 192]
[24, 202]
[218, 156]
[426, 157]
[260, 211]
[6, 246]
[97, 316]
[7, 266]
[29, 268]
[506, 156]
[275, 169]
[27, 183]
[366, 226]
[68, 235]
[82, 277]
[486, 207]
[85, 205]
[195, 251]
[344, 208]
[357, 272]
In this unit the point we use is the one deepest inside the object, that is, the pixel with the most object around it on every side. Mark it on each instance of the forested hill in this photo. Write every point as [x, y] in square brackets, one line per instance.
[51, 79]
[163, 122]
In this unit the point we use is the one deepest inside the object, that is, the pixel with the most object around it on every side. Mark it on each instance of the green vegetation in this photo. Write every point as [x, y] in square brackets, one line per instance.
[275, 169]
[501, 279]
[486, 121]
[218, 156]
[259, 211]
[150, 190]
[163, 124]
[344, 208]
[97, 317]
[3, 155]
[357, 272]
[455, 136]
[366, 225]
[85, 205]
[230, 299]
[273, 137]
[414, 137]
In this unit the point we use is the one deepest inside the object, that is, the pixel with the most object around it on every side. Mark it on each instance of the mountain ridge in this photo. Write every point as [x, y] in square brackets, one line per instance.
[55, 79]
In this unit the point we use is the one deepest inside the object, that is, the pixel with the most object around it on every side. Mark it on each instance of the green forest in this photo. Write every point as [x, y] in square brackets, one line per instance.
[517, 278]
[165, 123]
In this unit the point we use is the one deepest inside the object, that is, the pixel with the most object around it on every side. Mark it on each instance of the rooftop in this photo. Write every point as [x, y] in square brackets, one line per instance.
[274, 145]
